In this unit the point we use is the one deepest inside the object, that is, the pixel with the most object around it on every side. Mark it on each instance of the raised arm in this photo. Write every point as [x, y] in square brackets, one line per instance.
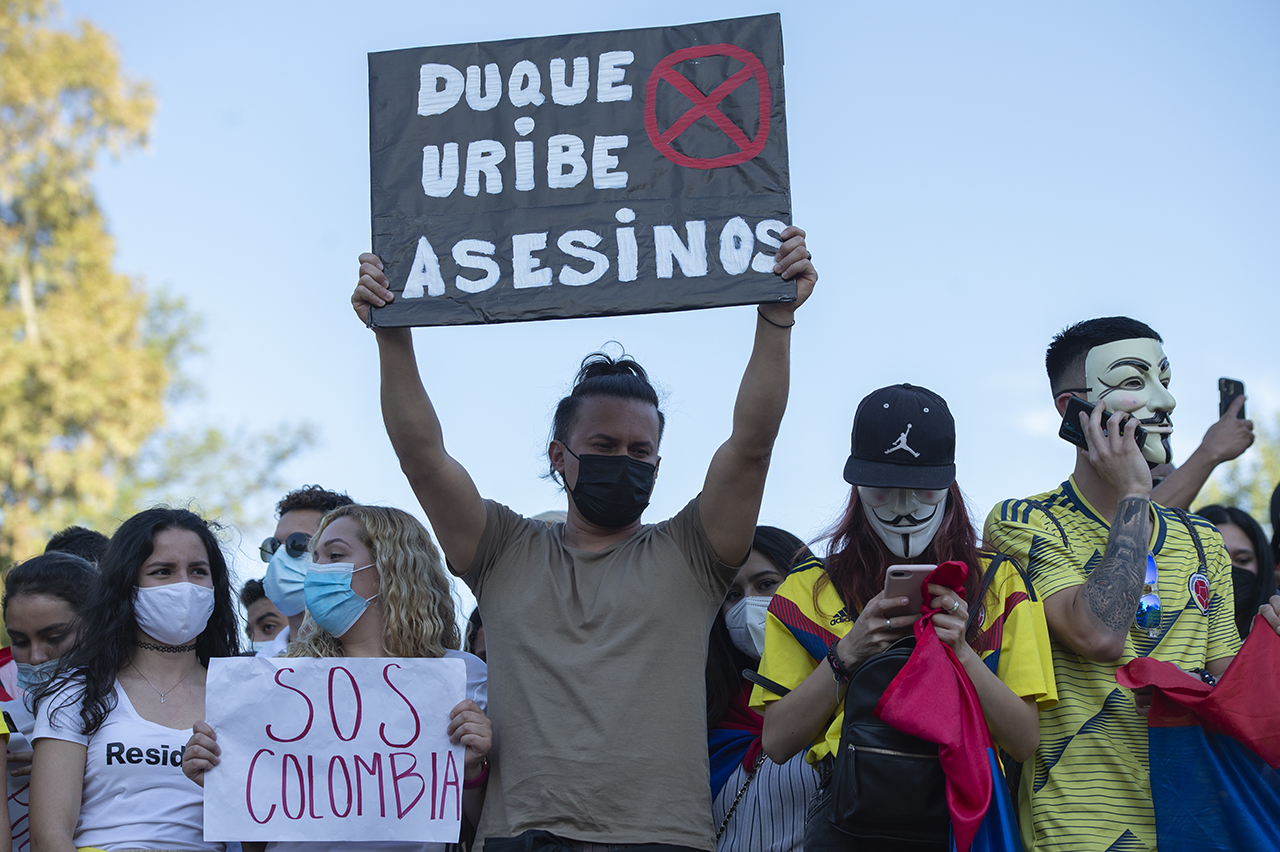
[1094, 619]
[1225, 440]
[441, 484]
[734, 486]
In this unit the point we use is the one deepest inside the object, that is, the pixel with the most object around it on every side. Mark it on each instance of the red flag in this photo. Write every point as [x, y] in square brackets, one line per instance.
[933, 698]
[1245, 704]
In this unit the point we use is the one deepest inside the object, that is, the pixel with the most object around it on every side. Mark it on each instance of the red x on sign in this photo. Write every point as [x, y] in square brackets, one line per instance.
[708, 105]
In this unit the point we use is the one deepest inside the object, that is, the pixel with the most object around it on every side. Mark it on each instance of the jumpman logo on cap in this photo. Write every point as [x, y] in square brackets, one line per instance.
[901, 444]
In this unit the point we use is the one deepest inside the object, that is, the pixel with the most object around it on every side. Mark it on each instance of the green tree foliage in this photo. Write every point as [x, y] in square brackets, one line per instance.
[220, 475]
[81, 385]
[87, 358]
[1247, 482]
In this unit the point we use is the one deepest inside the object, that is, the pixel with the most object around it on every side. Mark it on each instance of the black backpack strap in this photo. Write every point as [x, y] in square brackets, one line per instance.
[1195, 536]
[760, 680]
[988, 580]
[1026, 581]
[1036, 504]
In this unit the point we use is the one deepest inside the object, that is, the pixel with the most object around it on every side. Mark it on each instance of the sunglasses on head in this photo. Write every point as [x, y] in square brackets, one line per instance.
[295, 545]
[1148, 617]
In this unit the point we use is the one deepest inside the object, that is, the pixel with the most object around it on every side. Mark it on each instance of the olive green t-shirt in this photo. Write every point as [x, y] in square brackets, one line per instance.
[597, 680]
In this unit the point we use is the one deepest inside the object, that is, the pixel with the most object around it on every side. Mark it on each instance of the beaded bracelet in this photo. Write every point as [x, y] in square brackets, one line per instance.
[839, 670]
[479, 780]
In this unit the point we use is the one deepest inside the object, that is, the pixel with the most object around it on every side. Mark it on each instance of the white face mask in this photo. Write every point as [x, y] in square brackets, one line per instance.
[905, 519]
[175, 613]
[1131, 376]
[745, 621]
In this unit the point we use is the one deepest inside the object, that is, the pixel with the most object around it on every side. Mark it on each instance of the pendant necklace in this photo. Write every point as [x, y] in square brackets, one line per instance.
[170, 689]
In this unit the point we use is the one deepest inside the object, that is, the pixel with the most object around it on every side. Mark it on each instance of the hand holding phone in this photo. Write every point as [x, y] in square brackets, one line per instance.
[1071, 431]
[904, 581]
[1228, 390]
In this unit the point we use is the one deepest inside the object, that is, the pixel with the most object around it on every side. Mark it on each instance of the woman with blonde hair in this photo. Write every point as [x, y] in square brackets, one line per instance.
[402, 607]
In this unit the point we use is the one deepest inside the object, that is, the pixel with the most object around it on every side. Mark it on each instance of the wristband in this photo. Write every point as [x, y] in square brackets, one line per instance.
[839, 670]
[1204, 675]
[771, 322]
[479, 780]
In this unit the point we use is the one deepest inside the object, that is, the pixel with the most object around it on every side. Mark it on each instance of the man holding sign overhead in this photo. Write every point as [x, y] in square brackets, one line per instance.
[596, 628]
[586, 175]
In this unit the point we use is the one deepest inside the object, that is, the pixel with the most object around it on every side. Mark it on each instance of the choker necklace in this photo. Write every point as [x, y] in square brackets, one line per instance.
[167, 649]
[170, 689]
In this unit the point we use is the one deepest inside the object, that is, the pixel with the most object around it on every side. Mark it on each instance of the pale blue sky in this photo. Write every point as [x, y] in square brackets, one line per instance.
[973, 177]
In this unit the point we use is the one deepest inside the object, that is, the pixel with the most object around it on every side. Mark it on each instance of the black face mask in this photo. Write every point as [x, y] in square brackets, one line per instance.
[612, 491]
[1246, 587]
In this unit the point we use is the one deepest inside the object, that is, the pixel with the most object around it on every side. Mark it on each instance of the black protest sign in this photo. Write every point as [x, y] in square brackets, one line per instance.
[582, 175]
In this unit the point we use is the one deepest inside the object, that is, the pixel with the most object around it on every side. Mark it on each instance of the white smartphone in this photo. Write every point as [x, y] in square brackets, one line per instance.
[903, 581]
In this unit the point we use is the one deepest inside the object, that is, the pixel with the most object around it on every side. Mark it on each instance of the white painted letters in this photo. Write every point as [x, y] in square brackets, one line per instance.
[481, 102]
[602, 162]
[440, 178]
[768, 232]
[736, 246]
[565, 149]
[579, 244]
[610, 74]
[475, 254]
[524, 88]
[527, 270]
[424, 275]
[692, 258]
[433, 100]
[567, 95]
[483, 155]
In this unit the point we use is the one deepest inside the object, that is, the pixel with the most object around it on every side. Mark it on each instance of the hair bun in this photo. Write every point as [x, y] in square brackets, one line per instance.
[601, 365]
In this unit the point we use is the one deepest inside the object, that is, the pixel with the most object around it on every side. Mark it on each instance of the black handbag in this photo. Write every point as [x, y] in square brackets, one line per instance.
[888, 787]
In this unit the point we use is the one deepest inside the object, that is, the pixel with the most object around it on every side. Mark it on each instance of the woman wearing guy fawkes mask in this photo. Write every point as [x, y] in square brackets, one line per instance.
[905, 507]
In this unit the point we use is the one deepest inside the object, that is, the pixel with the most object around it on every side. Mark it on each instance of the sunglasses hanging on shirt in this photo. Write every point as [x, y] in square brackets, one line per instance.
[1148, 617]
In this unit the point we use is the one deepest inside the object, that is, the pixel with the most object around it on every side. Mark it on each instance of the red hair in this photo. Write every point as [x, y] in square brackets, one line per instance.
[857, 557]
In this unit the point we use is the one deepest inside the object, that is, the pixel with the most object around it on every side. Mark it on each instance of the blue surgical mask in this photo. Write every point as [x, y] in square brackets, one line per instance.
[31, 677]
[285, 579]
[330, 600]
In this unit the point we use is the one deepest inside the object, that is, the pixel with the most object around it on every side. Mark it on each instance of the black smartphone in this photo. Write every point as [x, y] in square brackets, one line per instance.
[1228, 390]
[1070, 430]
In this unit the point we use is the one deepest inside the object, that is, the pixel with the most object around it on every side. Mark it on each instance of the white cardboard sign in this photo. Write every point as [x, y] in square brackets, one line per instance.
[334, 749]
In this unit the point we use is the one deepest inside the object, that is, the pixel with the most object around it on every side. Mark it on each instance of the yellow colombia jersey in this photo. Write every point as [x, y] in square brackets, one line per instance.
[1014, 641]
[1088, 784]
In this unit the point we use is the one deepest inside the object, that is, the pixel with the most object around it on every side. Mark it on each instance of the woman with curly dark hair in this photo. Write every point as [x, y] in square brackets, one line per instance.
[111, 723]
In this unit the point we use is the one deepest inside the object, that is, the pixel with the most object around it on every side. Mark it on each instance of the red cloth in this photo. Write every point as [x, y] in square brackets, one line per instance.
[1245, 705]
[933, 698]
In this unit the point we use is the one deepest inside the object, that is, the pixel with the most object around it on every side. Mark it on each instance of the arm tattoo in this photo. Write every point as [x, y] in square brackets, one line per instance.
[1114, 587]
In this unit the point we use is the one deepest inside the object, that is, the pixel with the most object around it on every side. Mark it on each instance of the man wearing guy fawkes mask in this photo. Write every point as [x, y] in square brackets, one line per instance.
[1120, 577]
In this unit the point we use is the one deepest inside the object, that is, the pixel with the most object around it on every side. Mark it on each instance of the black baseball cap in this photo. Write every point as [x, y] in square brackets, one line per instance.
[903, 437]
